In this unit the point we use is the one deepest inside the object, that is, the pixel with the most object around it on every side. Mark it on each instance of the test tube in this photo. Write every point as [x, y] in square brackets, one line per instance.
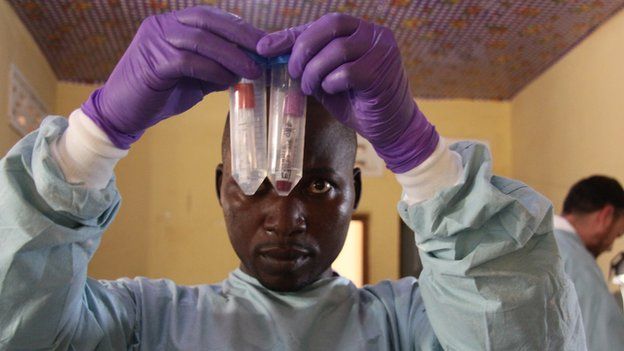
[248, 130]
[287, 118]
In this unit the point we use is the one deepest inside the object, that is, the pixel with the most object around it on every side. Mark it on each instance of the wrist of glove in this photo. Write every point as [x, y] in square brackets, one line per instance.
[121, 139]
[413, 145]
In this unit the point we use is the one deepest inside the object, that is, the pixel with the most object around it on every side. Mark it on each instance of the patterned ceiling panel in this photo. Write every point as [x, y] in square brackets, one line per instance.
[451, 48]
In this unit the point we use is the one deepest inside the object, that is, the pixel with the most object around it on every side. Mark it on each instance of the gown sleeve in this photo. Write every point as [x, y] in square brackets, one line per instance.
[49, 230]
[492, 278]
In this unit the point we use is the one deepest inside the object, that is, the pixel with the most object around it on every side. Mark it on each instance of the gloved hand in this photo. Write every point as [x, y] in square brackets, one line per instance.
[354, 69]
[172, 62]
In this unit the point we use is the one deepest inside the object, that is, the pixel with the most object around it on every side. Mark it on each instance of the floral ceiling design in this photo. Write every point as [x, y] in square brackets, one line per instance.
[472, 49]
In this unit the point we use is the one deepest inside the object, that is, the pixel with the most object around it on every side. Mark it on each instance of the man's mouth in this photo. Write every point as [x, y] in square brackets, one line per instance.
[280, 258]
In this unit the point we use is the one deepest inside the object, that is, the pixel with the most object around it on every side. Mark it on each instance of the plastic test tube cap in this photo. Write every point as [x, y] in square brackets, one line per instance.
[261, 60]
[279, 60]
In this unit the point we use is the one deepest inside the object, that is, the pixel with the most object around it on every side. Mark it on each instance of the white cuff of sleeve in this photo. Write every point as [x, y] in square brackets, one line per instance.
[441, 170]
[85, 154]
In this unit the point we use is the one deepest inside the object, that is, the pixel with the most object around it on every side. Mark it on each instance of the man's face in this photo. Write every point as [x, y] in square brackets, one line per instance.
[288, 242]
[614, 231]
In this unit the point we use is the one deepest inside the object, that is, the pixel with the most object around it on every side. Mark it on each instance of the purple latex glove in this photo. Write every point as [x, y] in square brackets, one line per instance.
[173, 61]
[354, 69]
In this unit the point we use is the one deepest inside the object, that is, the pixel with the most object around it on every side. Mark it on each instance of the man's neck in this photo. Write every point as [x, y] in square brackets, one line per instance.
[561, 223]
[582, 227]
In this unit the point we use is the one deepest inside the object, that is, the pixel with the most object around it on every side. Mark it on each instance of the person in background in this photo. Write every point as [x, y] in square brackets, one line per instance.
[492, 278]
[592, 218]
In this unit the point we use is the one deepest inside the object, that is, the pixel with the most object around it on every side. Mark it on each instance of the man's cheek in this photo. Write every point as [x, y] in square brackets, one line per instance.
[237, 201]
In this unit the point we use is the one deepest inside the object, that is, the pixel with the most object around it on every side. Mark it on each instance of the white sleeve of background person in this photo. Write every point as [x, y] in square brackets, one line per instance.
[85, 154]
[441, 170]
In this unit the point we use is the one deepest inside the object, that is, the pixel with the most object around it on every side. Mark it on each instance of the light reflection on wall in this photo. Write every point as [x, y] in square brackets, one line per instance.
[350, 263]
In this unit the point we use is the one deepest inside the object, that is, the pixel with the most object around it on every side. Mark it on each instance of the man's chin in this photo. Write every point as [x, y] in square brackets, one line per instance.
[284, 282]
[286, 279]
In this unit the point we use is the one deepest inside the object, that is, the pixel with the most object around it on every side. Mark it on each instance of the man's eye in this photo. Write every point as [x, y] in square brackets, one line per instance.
[319, 187]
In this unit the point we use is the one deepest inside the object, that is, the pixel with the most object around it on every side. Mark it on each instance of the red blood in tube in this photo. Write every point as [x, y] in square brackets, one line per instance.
[246, 97]
[294, 104]
[283, 185]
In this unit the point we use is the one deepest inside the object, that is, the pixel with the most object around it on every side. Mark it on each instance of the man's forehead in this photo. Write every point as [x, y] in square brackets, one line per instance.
[314, 170]
[322, 125]
[328, 158]
[328, 137]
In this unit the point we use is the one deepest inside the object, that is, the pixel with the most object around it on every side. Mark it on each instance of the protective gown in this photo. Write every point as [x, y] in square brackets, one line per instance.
[602, 318]
[492, 278]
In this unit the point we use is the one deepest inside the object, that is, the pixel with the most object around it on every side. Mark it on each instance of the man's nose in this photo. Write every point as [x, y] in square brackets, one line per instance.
[285, 216]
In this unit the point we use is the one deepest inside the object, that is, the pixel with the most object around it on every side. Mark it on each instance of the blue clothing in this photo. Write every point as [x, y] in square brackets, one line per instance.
[492, 278]
[602, 317]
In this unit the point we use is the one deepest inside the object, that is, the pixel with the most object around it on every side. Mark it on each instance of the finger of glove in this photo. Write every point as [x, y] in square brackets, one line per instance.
[213, 47]
[280, 42]
[381, 63]
[339, 51]
[364, 72]
[316, 37]
[345, 77]
[192, 65]
[335, 105]
[383, 91]
[221, 23]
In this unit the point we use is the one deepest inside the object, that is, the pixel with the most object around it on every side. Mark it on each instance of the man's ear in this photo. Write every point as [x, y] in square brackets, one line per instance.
[606, 215]
[218, 180]
[357, 184]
